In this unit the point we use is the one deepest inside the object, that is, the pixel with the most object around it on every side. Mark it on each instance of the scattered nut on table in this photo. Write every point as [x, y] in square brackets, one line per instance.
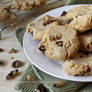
[1, 50]
[2, 62]
[59, 84]
[17, 63]
[30, 77]
[12, 57]
[13, 51]
[12, 74]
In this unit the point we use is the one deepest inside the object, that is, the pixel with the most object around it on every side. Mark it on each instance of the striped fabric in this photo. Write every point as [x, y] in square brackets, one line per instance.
[39, 77]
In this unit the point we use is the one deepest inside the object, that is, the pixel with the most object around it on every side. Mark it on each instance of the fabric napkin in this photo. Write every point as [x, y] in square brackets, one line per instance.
[24, 85]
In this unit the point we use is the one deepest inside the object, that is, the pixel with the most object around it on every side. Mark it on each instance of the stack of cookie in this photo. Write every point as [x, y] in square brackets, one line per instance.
[6, 11]
[62, 37]
[28, 4]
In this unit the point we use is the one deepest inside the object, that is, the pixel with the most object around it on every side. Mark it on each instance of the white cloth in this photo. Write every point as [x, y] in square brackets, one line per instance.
[10, 41]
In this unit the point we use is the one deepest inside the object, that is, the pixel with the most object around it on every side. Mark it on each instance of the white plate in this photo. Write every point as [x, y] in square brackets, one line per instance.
[41, 61]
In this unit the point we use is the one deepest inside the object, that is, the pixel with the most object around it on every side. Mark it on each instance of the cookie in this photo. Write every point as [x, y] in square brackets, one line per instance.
[86, 41]
[5, 13]
[28, 4]
[38, 27]
[80, 18]
[59, 43]
[75, 69]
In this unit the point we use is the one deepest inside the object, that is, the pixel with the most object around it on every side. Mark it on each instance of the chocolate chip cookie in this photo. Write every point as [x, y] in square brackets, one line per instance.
[38, 27]
[80, 18]
[75, 69]
[59, 42]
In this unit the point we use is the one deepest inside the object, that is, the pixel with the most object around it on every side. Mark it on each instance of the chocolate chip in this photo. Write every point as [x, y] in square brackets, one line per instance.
[88, 70]
[81, 56]
[59, 43]
[64, 13]
[42, 48]
[42, 88]
[58, 37]
[68, 21]
[48, 22]
[17, 64]
[1, 50]
[88, 46]
[86, 53]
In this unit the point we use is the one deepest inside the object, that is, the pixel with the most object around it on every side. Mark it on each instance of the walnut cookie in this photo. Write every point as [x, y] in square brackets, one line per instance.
[38, 27]
[80, 18]
[59, 42]
[75, 69]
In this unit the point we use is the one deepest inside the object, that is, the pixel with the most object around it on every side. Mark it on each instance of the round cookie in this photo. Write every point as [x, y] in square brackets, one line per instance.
[38, 27]
[59, 43]
[28, 4]
[86, 41]
[75, 69]
[80, 18]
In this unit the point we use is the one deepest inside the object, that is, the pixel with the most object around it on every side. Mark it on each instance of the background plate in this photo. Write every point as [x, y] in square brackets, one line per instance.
[41, 61]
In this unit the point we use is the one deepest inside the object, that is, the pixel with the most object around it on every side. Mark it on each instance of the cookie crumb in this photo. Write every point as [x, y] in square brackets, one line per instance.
[59, 84]
[30, 77]
[13, 51]
[17, 63]
[1, 50]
